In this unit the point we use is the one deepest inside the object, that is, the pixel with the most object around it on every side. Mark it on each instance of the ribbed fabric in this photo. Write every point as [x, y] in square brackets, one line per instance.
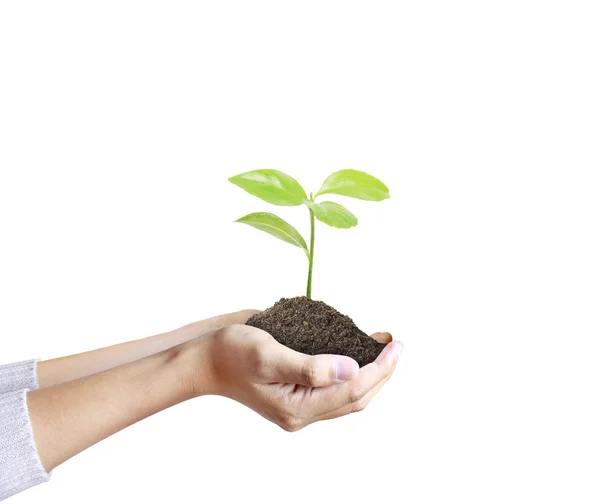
[20, 465]
[17, 376]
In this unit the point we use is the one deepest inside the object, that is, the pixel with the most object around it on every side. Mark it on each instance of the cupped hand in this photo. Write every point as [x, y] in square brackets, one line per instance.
[289, 388]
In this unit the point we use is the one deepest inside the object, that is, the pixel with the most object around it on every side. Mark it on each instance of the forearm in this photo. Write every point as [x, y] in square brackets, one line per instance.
[63, 369]
[70, 417]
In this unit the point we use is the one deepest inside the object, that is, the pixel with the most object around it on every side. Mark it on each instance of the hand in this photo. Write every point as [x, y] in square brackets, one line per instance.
[241, 362]
[286, 387]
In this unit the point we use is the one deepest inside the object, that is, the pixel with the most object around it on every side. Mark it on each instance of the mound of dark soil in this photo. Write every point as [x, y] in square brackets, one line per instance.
[313, 327]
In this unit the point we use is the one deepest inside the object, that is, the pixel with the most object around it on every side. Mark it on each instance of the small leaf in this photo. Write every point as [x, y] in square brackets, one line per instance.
[355, 184]
[272, 186]
[270, 223]
[333, 214]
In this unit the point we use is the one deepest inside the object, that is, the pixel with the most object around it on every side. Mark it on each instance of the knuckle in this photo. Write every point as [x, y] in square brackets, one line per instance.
[356, 394]
[219, 340]
[219, 335]
[225, 333]
[359, 406]
[260, 364]
[310, 373]
[255, 357]
[289, 423]
[290, 428]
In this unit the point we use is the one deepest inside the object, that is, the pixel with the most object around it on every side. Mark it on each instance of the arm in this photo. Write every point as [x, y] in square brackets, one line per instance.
[63, 369]
[72, 416]
[240, 362]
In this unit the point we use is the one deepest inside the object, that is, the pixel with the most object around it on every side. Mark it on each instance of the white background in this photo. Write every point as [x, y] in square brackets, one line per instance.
[120, 122]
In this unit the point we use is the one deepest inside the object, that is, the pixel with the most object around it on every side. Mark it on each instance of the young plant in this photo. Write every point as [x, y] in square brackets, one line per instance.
[280, 189]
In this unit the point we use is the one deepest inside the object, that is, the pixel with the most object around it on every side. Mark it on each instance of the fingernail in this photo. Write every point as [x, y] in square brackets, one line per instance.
[397, 349]
[344, 369]
[382, 337]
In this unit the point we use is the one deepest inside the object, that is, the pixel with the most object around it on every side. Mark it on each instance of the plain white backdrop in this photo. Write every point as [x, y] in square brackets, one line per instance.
[120, 122]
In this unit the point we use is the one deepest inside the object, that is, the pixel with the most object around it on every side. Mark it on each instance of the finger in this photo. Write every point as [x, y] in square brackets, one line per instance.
[239, 317]
[214, 323]
[382, 337]
[288, 366]
[358, 405]
[331, 398]
[227, 319]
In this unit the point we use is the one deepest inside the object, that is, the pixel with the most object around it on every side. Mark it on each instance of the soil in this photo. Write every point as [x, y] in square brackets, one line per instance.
[313, 327]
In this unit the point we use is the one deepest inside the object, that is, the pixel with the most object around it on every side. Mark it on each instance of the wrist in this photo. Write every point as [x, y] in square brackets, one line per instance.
[195, 366]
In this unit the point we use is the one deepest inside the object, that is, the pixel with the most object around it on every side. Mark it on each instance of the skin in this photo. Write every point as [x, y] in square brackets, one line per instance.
[63, 369]
[87, 397]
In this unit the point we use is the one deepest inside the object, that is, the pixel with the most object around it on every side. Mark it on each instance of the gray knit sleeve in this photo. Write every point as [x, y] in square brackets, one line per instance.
[17, 376]
[20, 465]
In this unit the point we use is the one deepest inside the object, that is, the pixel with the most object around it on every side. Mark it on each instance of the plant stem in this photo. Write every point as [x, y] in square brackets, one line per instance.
[311, 253]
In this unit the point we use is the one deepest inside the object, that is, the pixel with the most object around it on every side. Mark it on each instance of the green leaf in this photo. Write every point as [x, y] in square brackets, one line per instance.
[270, 223]
[333, 214]
[355, 184]
[272, 186]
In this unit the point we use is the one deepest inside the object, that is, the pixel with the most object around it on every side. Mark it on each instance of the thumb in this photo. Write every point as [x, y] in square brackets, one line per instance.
[314, 370]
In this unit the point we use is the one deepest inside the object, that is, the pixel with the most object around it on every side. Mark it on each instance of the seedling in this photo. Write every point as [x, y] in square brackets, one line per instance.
[280, 189]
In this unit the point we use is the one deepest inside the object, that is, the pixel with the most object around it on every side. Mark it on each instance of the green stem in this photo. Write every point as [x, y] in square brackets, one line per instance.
[311, 253]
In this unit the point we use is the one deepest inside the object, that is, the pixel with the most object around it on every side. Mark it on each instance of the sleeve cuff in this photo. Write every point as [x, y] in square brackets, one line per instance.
[18, 376]
[20, 464]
